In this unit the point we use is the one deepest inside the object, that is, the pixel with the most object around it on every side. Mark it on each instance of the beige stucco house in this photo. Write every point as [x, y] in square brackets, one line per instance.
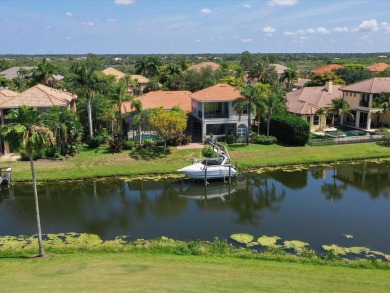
[141, 80]
[306, 101]
[212, 112]
[362, 96]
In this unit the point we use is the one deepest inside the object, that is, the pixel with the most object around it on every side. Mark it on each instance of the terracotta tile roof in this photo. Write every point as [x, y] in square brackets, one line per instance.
[6, 95]
[112, 71]
[199, 66]
[326, 68]
[220, 92]
[375, 85]
[39, 96]
[139, 78]
[165, 99]
[378, 67]
[307, 100]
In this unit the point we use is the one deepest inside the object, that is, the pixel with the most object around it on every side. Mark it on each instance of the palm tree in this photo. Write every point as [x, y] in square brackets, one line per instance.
[290, 75]
[276, 102]
[264, 72]
[321, 112]
[44, 70]
[3, 81]
[141, 66]
[340, 107]
[249, 92]
[152, 65]
[33, 137]
[87, 82]
[384, 103]
[138, 116]
[118, 92]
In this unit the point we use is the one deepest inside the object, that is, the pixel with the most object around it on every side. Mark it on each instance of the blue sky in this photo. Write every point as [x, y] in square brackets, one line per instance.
[196, 26]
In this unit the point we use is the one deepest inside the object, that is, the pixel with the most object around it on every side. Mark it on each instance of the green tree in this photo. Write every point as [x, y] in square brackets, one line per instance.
[248, 60]
[384, 102]
[141, 66]
[290, 76]
[276, 102]
[340, 108]
[168, 124]
[44, 70]
[263, 72]
[321, 79]
[138, 118]
[66, 128]
[352, 74]
[86, 82]
[321, 112]
[4, 82]
[33, 136]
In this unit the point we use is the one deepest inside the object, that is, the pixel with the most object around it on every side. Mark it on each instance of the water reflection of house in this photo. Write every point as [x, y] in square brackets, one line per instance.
[371, 177]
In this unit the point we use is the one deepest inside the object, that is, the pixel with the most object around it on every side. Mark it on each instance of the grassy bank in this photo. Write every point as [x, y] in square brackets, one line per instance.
[122, 272]
[99, 163]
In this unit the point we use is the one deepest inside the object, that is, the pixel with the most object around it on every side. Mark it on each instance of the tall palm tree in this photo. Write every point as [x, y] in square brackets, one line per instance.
[87, 82]
[249, 92]
[276, 102]
[152, 65]
[141, 66]
[340, 108]
[138, 116]
[118, 92]
[33, 136]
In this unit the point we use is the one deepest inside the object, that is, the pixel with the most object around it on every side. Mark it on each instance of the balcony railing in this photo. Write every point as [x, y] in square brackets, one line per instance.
[216, 115]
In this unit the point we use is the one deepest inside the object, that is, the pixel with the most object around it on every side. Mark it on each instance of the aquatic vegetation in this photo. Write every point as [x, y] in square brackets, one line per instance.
[296, 245]
[348, 236]
[269, 241]
[242, 238]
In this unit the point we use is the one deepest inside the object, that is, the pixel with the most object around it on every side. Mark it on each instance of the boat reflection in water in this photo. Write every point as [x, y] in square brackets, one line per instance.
[214, 190]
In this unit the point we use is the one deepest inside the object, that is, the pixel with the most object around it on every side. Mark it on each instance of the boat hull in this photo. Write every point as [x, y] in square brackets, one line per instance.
[200, 171]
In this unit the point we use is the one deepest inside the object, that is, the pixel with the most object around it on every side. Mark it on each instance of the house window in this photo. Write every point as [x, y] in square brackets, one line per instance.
[316, 120]
[308, 118]
[241, 130]
[364, 100]
[215, 129]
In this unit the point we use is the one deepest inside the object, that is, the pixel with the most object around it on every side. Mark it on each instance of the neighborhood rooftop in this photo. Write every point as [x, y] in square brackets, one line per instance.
[165, 99]
[219, 92]
[374, 85]
[38, 96]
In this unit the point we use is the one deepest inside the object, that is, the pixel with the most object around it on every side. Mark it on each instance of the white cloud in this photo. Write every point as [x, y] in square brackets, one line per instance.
[198, 41]
[365, 39]
[124, 2]
[70, 14]
[112, 20]
[282, 2]
[249, 40]
[368, 25]
[341, 29]
[246, 5]
[205, 10]
[289, 33]
[88, 23]
[269, 30]
[385, 27]
[322, 30]
[310, 30]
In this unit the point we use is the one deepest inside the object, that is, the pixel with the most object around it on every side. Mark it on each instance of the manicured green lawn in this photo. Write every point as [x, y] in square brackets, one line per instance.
[99, 163]
[170, 273]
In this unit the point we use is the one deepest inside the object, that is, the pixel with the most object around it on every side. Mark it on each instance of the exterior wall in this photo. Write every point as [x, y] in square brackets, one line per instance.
[312, 118]
[197, 111]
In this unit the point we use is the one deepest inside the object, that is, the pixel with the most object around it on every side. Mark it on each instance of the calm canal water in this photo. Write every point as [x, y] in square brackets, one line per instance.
[318, 206]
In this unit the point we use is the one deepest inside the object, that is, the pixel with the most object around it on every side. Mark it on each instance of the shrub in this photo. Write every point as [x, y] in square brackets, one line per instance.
[128, 145]
[290, 129]
[115, 145]
[386, 138]
[229, 139]
[263, 139]
[148, 143]
[208, 152]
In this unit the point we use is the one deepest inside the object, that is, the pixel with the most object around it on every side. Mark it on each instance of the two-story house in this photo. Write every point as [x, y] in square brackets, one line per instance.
[212, 112]
[362, 97]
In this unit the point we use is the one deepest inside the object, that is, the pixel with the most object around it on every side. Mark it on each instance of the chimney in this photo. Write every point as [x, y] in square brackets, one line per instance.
[329, 86]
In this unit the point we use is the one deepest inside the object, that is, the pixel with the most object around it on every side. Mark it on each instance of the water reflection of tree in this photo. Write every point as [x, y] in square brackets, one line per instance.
[293, 180]
[332, 191]
[258, 195]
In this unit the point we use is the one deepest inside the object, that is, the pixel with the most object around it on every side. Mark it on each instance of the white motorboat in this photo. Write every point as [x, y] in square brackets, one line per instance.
[210, 169]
